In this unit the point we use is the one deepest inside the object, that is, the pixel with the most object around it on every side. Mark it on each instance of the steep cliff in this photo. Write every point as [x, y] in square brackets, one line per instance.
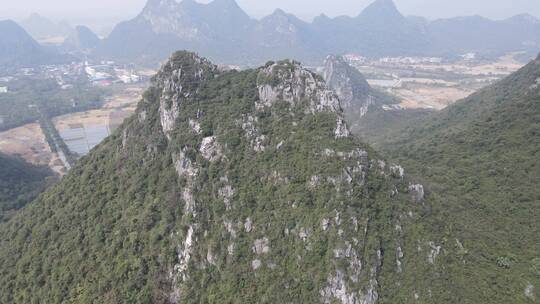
[226, 187]
[356, 95]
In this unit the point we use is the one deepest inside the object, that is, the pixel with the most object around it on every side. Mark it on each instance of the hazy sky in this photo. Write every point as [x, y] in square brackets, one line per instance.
[306, 9]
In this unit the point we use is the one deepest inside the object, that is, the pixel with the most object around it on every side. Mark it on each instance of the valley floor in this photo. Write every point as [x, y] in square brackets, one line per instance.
[426, 83]
[29, 142]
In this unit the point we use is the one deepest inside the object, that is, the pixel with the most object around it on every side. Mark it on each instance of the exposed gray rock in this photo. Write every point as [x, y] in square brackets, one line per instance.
[399, 256]
[248, 225]
[277, 177]
[304, 234]
[337, 218]
[184, 166]
[354, 92]
[529, 291]
[341, 129]
[336, 289]
[230, 248]
[179, 272]
[267, 95]
[295, 85]
[397, 171]
[314, 181]
[325, 223]
[417, 192]
[178, 83]
[256, 264]
[261, 246]
[230, 228]
[258, 143]
[257, 140]
[195, 126]
[168, 115]
[354, 221]
[189, 200]
[211, 149]
[226, 194]
[433, 252]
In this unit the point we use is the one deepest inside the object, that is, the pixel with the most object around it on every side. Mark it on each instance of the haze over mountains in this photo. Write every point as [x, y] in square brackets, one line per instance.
[18, 49]
[81, 40]
[380, 30]
[222, 31]
[41, 28]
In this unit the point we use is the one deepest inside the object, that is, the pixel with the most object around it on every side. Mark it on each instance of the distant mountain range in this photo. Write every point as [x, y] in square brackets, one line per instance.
[41, 27]
[82, 40]
[19, 49]
[222, 31]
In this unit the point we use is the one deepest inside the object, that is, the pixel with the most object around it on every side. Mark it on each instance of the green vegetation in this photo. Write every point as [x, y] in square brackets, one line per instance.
[28, 98]
[380, 126]
[20, 183]
[480, 160]
[114, 228]
[215, 212]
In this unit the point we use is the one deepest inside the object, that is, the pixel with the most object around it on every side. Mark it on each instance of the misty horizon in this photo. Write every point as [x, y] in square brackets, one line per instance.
[103, 13]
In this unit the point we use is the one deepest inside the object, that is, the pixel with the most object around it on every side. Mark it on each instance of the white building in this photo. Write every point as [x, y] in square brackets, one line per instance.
[3, 90]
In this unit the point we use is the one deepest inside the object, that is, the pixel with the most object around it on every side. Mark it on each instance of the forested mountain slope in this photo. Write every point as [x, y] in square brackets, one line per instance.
[228, 187]
[481, 157]
[20, 183]
[247, 187]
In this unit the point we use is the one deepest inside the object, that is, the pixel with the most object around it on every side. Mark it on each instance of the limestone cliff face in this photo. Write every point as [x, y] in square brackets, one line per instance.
[267, 226]
[232, 185]
[179, 82]
[355, 94]
[288, 81]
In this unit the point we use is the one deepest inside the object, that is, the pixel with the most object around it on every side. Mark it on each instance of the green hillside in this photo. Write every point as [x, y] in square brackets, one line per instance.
[225, 187]
[20, 183]
[480, 158]
[247, 187]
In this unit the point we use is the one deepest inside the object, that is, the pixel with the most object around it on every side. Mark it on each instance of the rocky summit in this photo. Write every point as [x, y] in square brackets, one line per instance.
[226, 187]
